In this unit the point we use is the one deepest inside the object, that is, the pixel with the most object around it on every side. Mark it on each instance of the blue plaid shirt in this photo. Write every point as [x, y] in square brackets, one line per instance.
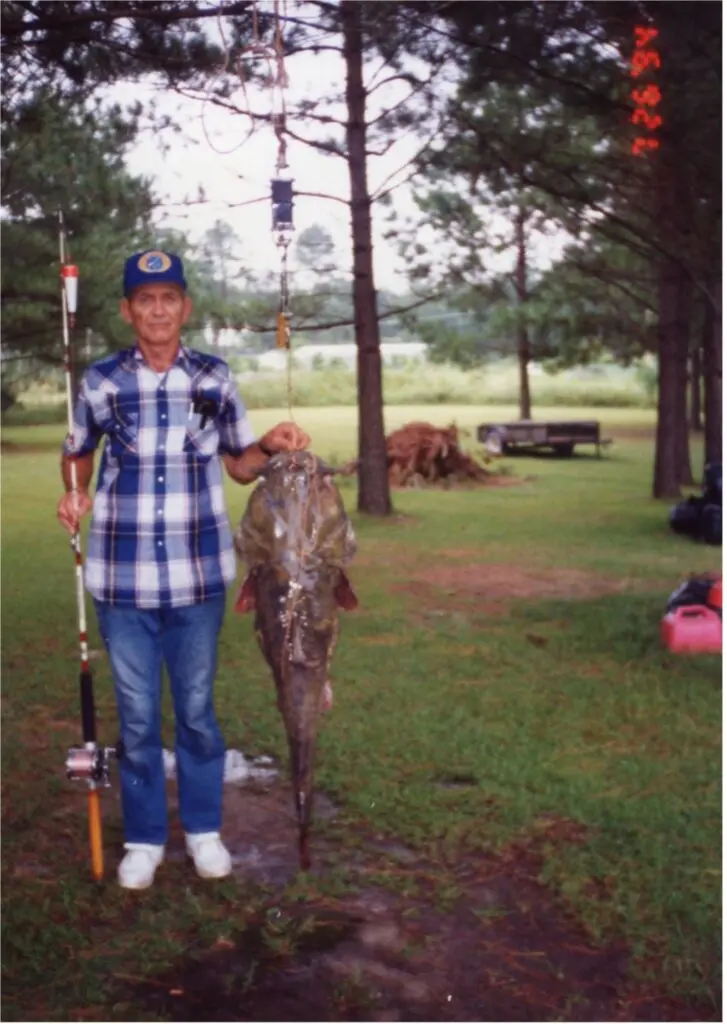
[160, 536]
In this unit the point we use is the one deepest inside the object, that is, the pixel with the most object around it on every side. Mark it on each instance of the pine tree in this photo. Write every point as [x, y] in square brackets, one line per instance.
[663, 208]
[59, 157]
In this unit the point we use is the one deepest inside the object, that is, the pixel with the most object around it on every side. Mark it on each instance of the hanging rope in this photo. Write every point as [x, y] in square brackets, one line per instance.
[239, 70]
[282, 199]
[281, 184]
[257, 50]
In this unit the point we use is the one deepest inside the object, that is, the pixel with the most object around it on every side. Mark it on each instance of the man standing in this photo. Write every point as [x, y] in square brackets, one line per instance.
[160, 553]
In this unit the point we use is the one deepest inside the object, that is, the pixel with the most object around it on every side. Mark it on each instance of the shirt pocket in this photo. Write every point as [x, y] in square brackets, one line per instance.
[122, 425]
[201, 440]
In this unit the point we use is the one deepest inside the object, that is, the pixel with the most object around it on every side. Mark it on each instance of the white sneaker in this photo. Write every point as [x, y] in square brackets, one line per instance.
[136, 870]
[209, 854]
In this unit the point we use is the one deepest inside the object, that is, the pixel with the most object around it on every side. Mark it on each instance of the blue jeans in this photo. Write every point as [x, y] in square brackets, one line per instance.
[138, 640]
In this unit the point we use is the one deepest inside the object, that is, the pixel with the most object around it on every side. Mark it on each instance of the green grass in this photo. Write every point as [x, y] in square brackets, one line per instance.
[334, 428]
[565, 708]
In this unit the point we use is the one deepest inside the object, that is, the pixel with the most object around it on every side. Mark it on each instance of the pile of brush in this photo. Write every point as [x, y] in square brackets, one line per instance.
[420, 455]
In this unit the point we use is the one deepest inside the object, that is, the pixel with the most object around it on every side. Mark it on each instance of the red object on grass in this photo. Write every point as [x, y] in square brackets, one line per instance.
[692, 629]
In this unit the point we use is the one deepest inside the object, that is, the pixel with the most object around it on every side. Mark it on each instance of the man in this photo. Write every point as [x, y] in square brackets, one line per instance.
[160, 552]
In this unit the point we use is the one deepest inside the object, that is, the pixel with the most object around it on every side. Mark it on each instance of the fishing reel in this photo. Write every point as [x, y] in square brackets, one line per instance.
[91, 763]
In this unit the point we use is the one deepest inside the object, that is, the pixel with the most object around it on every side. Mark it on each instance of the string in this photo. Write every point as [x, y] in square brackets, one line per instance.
[283, 240]
[277, 79]
[257, 50]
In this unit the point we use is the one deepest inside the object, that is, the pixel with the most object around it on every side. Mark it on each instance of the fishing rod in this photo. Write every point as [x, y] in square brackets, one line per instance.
[89, 762]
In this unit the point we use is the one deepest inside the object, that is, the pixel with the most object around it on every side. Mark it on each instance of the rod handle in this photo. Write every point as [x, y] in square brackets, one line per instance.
[95, 834]
[88, 708]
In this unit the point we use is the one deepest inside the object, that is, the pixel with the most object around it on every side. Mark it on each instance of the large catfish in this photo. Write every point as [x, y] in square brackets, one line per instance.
[295, 539]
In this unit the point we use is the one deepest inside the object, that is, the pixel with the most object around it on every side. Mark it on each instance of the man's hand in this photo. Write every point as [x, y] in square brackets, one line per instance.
[285, 437]
[72, 507]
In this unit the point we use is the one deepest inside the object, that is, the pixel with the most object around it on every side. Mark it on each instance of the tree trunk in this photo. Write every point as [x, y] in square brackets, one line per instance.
[684, 457]
[373, 482]
[683, 327]
[712, 357]
[674, 215]
[695, 388]
[672, 447]
[523, 342]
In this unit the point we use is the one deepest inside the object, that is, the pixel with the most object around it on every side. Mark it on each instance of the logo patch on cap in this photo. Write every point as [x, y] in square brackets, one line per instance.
[154, 262]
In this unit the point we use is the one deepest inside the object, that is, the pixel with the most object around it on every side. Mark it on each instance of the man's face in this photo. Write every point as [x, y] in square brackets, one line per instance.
[157, 312]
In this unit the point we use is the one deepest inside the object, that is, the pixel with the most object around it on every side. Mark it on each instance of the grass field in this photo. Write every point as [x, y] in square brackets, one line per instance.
[506, 635]
[414, 383]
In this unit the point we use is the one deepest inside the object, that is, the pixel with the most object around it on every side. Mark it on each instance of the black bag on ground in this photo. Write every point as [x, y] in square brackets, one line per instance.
[686, 517]
[692, 591]
[701, 518]
[712, 524]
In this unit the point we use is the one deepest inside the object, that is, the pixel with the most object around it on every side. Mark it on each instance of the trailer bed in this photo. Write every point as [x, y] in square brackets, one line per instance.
[560, 436]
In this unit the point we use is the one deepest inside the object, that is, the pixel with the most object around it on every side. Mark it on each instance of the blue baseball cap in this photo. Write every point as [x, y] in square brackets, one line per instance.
[153, 266]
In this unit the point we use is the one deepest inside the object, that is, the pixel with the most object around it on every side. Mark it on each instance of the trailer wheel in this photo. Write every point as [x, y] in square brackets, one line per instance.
[565, 451]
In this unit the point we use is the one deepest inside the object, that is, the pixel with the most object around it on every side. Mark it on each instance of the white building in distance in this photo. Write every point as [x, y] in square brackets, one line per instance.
[304, 355]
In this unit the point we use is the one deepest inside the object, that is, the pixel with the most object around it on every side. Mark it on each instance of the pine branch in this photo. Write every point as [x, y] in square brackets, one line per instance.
[602, 100]
[325, 147]
[598, 275]
[348, 322]
[635, 237]
[324, 195]
[416, 89]
[398, 77]
[330, 148]
[381, 191]
[168, 15]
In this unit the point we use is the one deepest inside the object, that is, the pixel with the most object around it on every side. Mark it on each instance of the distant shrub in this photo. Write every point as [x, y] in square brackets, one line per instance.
[648, 376]
[7, 400]
[310, 387]
[420, 383]
[331, 383]
[21, 415]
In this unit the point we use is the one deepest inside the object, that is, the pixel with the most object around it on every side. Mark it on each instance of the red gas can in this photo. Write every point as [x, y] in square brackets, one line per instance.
[692, 629]
[714, 597]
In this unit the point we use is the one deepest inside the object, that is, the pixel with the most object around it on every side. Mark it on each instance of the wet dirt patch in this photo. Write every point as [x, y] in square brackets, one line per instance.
[495, 946]
[260, 831]
[378, 553]
[455, 780]
[633, 433]
[499, 584]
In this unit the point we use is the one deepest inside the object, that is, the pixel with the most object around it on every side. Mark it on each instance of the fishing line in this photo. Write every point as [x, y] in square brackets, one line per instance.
[281, 183]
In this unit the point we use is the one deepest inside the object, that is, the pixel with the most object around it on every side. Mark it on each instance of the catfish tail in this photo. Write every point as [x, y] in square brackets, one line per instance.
[301, 769]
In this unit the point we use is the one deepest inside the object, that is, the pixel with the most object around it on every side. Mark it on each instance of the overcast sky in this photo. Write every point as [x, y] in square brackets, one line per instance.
[191, 161]
[180, 163]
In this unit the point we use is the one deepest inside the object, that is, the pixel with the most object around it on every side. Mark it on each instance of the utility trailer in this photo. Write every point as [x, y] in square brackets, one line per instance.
[560, 436]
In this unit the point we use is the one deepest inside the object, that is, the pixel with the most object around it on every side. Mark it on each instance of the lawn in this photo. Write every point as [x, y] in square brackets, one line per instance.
[507, 637]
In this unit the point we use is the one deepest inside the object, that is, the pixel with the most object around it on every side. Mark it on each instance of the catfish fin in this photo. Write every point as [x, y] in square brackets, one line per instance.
[344, 593]
[246, 600]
